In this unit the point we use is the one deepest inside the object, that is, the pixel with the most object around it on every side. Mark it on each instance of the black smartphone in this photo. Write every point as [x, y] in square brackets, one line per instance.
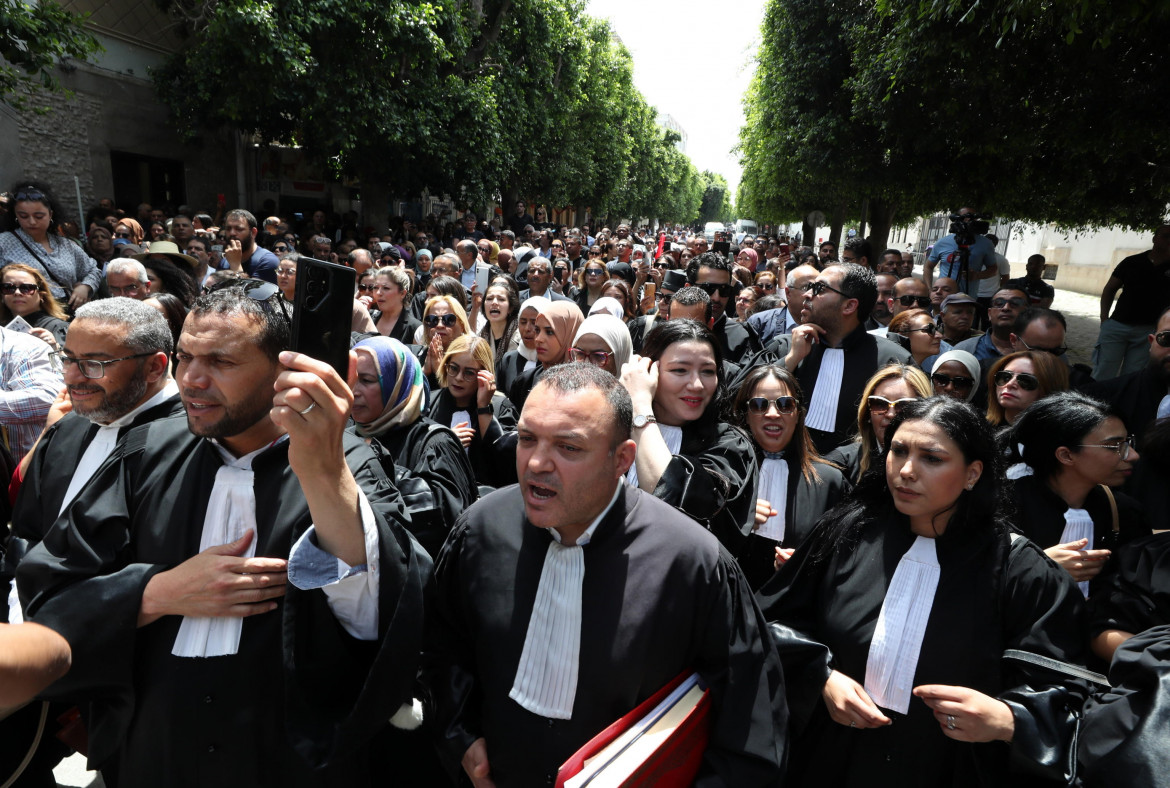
[323, 312]
[722, 247]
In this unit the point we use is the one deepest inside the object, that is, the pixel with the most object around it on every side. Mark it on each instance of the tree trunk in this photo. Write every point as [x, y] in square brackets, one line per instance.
[807, 233]
[375, 204]
[864, 217]
[835, 224]
[881, 215]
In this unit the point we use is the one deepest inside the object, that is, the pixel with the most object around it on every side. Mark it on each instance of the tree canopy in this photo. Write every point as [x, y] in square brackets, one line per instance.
[33, 38]
[911, 106]
[479, 98]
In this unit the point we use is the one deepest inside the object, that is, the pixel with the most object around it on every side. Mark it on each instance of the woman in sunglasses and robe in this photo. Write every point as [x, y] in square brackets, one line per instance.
[890, 389]
[796, 484]
[444, 319]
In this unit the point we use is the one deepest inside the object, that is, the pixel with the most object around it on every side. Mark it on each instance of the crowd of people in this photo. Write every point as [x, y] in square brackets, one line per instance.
[901, 539]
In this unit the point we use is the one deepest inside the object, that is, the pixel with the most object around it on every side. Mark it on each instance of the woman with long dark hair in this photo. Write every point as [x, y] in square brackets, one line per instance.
[893, 618]
[499, 309]
[1076, 449]
[32, 238]
[796, 485]
[687, 455]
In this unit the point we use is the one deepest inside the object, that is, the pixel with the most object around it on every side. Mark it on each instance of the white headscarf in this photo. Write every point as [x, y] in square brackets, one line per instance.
[613, 332]
[539, 303]
[608, 305]
[967, 360]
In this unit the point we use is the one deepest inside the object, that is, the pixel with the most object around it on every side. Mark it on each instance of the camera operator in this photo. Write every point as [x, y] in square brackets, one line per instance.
[967, 235]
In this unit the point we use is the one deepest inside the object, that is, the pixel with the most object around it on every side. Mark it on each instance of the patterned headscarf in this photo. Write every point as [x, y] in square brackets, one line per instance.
[405, 392]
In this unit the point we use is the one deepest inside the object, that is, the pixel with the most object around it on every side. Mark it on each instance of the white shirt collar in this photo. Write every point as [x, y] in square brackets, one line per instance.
[169, 390]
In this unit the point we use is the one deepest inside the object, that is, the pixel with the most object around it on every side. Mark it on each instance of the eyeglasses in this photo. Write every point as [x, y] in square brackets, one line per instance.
[286, 272]
[598, 358]
[662, 295]
[1000, 303]
[710, 288]
[121, 235]
[1162, 338]
[766, 285]
[946, 381]
[761, 405]
[433, 320]
[90, 367]
[922, 302]
[879, 405]
[1056, 351]
[1123, 449]
[366, 288]
[820, 287]
[1024, 380]
[930, 329]
[280, 248]
[594, 272]
[453, 370]
[128, 290]
[8, 288]
[29, 195]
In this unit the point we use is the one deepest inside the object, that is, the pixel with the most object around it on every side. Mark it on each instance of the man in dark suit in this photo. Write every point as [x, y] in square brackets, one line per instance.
[540, 281]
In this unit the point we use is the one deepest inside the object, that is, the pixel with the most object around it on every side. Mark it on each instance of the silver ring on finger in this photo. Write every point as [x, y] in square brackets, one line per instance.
[853, 723]
[950, 722]
[306, 410]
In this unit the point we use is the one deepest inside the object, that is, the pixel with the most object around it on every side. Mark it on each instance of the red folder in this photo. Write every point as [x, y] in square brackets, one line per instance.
[674, 763]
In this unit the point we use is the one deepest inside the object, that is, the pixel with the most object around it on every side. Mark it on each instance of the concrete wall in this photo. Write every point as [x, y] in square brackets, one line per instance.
[1083, 261]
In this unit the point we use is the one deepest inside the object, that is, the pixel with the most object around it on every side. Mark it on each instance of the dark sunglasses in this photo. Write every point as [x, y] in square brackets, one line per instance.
[881, 405]
[8, 288]
[1056, 351]
[710, 288]
[594, 272]
[946, 381]
[761, 405]
[1025, 381]
[922, 302]
[1000, 303]
[817, 288]
[767, 286]
[1162, 338]
[121, 235]
[433, 320]
[280, 248]
[366, 288]
[930, 329]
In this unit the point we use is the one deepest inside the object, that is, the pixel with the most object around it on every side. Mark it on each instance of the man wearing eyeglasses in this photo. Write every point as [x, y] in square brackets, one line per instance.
[711, 272]
[771, 323]
[238, 586]
[1007, 304]
[126, 277]
[540, 281]
[831, 353]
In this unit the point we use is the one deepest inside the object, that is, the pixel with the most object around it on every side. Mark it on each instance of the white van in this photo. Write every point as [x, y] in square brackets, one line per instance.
[710, 228]
[745, 227]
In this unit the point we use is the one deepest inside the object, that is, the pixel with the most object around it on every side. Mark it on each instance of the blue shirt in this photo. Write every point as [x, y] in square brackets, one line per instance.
[261, 265]
[981, 258]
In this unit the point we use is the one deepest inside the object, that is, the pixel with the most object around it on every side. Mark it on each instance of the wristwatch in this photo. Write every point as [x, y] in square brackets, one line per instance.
[486, 409]
[642, 419]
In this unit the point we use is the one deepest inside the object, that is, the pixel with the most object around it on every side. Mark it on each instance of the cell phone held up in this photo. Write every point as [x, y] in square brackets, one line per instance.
[323, 312]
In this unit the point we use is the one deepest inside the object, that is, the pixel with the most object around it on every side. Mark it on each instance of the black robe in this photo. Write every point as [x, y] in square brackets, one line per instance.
[50, 471]
[1040, 517]
[1123, 736]
[404, 326]
[509, 367]
[296, 704]
[659, 597]
[433, 453]
[737, 340]
[493, 454]
[865, 354]
[993, 594]
[54, 325]
[806, 502]
[1135, 594]
[713, 479]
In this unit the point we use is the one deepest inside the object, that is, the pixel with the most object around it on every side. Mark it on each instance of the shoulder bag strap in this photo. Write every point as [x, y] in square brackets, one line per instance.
[1112, 507]
[1068, 669]
[40, 260]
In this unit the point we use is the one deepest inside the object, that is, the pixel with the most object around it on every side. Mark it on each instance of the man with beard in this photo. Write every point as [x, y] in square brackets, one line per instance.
[1142, 396]
[242, 599]
[115, 358]
[711, 273]
[880, 316]
[242, 253]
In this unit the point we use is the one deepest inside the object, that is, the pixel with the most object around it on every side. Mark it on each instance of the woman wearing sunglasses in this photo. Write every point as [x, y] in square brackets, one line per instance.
[796, 486]
[686, 455]
[955, 374]
[389, 402]
[918, 332]
[603, 341]
[590, 282]
[26, 295]
[481, 417]
[889, 390]
[444, 319]
[1017, 380]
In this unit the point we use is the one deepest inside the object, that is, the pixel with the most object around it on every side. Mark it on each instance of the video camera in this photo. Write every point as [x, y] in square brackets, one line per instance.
[966, 226]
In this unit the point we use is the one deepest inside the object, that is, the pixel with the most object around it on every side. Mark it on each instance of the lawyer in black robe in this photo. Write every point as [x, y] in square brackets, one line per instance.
[294, 706]
[1135, 594]
[660, 596]
[492, 454]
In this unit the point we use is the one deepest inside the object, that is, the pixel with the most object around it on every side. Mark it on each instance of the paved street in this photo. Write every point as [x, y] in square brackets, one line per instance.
[1082, 313]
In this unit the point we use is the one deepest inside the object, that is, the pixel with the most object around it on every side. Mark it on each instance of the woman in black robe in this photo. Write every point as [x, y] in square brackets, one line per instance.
[389, 398]
[686, 455]
[916, 587]
[556, 326]
[796, 486]
[1076, 449]
[482, 418]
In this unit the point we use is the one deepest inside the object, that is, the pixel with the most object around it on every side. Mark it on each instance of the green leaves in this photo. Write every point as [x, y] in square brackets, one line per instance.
[33, 38]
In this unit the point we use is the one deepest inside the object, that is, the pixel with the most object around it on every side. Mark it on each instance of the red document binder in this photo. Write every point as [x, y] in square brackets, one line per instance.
[672, 763]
